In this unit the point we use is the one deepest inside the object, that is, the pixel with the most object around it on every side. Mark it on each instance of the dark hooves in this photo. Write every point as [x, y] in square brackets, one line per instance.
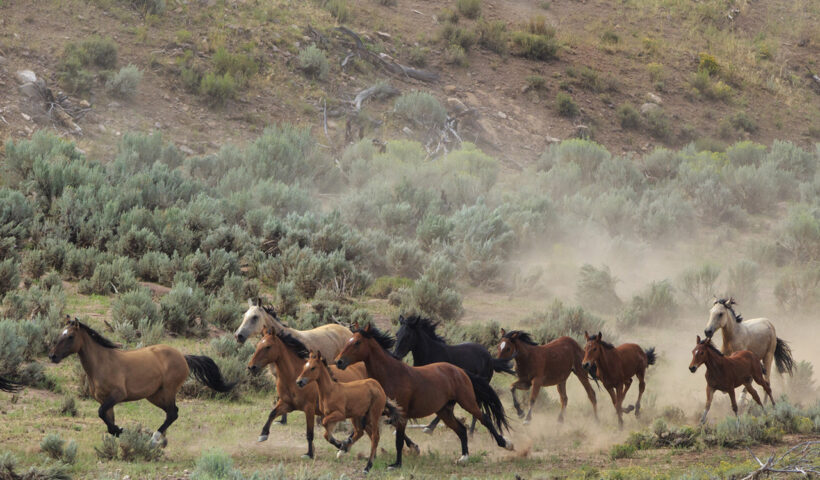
[629, 409]
[394, 466]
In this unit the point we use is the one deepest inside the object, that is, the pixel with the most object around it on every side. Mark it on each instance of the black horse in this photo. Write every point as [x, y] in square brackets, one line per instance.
[418, 335]
[9, 386]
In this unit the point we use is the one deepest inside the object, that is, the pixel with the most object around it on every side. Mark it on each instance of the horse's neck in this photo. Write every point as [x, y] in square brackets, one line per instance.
[326, 384]
[378, 365]
[731, 331]
[93, 356]
[287, 366]
[607, 364]
[524, 357]
[424, 351]
[272, 322]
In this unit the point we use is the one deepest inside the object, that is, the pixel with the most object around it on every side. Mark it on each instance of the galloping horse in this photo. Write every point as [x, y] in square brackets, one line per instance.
[114, 376]
[422, 391]
[7, 385]
[363, 401]
[287, 355]
[616, 367]
[418, 335]
[328, 339]
[542, 366]
[756, 335]
[725, 373]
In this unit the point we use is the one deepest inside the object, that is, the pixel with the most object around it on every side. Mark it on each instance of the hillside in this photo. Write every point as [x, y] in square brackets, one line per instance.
[757, 58]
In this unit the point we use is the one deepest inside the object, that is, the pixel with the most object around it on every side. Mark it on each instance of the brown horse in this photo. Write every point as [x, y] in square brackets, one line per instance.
[423, 391]
[363, 401]
[288, 355]
[114, 376]
[615, 367]
[725, 373]
[7, 385]
[542, 366]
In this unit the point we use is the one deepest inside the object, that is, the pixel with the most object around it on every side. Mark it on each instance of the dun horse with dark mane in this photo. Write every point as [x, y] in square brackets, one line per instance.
[155, 373]
[542, 366]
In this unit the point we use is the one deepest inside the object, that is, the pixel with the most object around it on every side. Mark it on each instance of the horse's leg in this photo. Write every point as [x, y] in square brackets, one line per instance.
[310, 417]
[613, 393]
[399, 445]
[536, 389]
[432, 426]
[469, 403]
[731, 393]
[329, 421]
[372, 429]
[472, 425]
[753, 392]
[518, 385]
[709, 393]
[766, 387]
[562, 393]
[590, 392]
[624, 389]
[411, 445]
[283, 420]
[641, 388]
[106, 413]
[767, 363]
[446, 415]
[279, 409]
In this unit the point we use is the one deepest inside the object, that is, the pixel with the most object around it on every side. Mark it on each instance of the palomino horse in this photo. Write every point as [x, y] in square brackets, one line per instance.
[418, 335]
[423, 391]
[7, 385]
[756, 335]
[114, 376]
[287, 355]
[542, 366]
[726, 373]
[363, 401]
[328, 339]
[615, 367]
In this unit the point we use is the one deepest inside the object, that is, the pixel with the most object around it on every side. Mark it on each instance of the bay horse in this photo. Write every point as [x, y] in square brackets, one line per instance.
[539, 366]
[726, 373]
[287, 355]
[756, 335]
[422, 391]
[418, 336]
[615, 367]
[328, 339]
[155, 373]
[363, 401]
[9, 386]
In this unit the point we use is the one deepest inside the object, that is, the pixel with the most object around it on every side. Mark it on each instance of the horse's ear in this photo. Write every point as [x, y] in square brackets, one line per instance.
[502, 332]
[270, 331]
[586, 335]
[68, 319]
[258, 301]
[514, 335]
[367, 327]
[698, 338]
[599, 336]
[401, 319]
[732, 301]
[318, 354]
[250, 303]
[355, 325]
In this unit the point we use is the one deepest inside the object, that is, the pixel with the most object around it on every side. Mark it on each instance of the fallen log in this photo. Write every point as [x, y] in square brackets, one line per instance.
[380, 91]
[390, 66]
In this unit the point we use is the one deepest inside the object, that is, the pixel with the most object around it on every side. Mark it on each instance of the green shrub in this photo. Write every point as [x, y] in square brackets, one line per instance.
[339, 9]
[743, 281]
[742, 121]
[453, 35]
[708, 64]
[534, 46]
[493, 35]
[596, 289]
[125, 82]
[217, 89]
[484, 333]
[698, 283]
[313, 63]
[559, 320]
[420, 108]
[215, 465]
[469, 8]
[565, 105]
[405, 259]
[657, 124]
[132, 306]
[655, 306]
[448, 16]
[536, 82]
[56, 448]
[417, 56]
[155, 7]
[800, 234]
[382, 287]
[50, 471]
[133, 445]
[183, 309]
[621, 451]
[610, 37]
[9, 275]
[628, 116]
[797, 289]
[455, 55]
[241, 67]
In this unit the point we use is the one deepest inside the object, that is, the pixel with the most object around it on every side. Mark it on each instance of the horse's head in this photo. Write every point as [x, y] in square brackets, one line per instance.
[407, 336]
[268, 350]
[593, 351]
[359, 347]
[312, 370]
[255, 319]
[719, 316]
[507, 347]
[699, 354]
[70, 341]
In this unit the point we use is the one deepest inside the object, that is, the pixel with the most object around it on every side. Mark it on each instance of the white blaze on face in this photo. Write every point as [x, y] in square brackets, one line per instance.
[503, 345]
[65, 332]
[351, 340]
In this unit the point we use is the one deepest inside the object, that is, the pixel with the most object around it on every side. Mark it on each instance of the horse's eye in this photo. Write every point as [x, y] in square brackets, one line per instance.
[358, 342]
[71, 337]
[312, 368]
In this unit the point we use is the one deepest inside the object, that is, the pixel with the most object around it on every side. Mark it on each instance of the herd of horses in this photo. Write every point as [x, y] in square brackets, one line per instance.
[336, 373]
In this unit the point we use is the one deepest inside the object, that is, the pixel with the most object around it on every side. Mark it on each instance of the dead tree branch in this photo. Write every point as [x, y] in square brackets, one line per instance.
[388, 65]
[379, 91]
[803, 458]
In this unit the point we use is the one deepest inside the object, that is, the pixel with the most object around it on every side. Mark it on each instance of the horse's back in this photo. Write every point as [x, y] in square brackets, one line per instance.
[633, 356]
[440, 374]
[149, 368]
[472, 357]
[328, 339]
[354, 372]
[758, 336]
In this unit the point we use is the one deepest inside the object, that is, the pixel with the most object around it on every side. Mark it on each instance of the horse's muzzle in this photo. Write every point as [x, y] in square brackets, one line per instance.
[240, 338]
[54, 358]
[301, 382]
[341, 363]
[586, 366]
[708, 333]
[253, 369]
[692, 368]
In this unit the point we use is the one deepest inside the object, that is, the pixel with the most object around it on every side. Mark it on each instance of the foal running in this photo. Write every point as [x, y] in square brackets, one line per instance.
[115, 376]
[288, 355]
[542, 366]
[616, 367]
[725, 373]
[363, 401]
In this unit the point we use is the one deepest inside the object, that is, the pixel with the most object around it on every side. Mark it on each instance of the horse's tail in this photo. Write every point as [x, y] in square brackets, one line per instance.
[783, 357]
[7, 385]
[503, 365]
[650, 356]
[207, 372]
[488, 401]
[393, 412]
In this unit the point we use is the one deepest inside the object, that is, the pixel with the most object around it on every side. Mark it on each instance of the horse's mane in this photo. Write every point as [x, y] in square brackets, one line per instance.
[728, 302]
[270, 311]
[97, 337]
[329, 371]
[521, 335]
[294, 344]
[708, 342]
[384, 339]
[425, 325]
[606, 345]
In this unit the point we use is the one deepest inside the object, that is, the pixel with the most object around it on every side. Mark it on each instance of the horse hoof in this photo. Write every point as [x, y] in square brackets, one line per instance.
[428, 430]
[341, 453]
[521, 414]
[158, 439]
[526, 421]
[463, 459]
[307, 457]
[415, 449]
[280, 423]
[629, 409]
[508, 445]
[262, 438]
[394, 466]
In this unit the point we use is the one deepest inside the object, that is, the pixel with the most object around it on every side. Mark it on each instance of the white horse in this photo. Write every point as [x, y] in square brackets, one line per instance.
[328, 339]
[756, 335]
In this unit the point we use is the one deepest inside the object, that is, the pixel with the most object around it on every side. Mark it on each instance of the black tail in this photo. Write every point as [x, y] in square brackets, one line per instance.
[488, 401]
[503, 365]
[7, 385]
[393, 412]
[207, 373]
[783, 357]
[650, 356]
